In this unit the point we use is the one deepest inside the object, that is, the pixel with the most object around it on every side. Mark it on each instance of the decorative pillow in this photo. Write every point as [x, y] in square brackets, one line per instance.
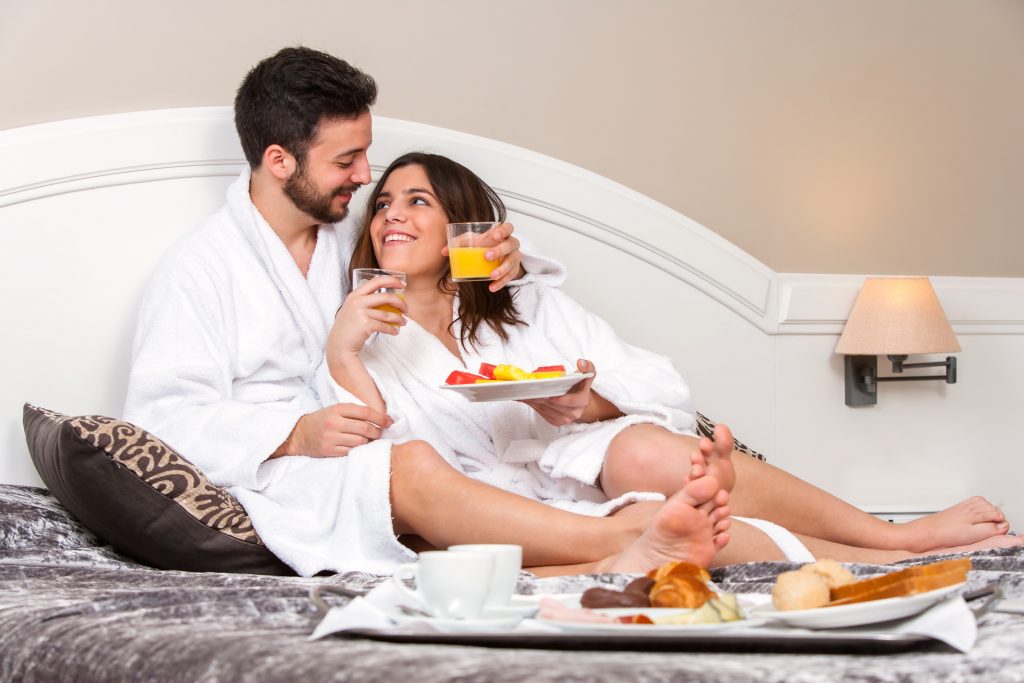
[706, 427]
[140, 496]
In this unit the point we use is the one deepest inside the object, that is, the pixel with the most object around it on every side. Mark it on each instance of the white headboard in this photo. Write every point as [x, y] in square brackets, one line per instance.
[88, 205]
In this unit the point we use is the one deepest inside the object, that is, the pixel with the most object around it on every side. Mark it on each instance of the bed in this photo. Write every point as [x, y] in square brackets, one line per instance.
[87, 206]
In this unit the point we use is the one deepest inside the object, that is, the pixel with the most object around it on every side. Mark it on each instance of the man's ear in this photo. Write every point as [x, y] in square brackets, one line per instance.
[278, 161]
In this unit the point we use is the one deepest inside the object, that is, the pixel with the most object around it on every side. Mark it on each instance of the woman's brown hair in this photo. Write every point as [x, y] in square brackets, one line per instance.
[465, 198]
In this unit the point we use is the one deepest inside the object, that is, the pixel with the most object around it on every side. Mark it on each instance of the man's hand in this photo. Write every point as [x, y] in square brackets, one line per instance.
[506, 249]
[579, 405]
[333, 431]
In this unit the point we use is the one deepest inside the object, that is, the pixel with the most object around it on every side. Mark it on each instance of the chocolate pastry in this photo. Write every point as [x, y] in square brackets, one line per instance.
[641, 584]
[603, 598]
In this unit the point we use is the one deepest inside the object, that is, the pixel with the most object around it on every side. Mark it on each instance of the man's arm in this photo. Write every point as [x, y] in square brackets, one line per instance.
[333, 431]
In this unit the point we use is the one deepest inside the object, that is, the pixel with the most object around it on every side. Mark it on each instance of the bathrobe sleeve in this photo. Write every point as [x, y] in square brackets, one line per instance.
[636, 380]
[184, 383]
[539, 269]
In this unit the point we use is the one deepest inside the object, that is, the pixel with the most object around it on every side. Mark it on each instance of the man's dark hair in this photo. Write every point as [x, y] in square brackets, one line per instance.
[284, 98]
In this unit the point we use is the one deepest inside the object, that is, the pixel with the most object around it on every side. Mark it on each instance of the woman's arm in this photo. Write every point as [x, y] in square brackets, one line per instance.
[356, 320]
[351, 375]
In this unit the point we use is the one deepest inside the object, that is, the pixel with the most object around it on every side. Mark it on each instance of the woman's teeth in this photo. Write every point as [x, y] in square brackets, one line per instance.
[398, 238]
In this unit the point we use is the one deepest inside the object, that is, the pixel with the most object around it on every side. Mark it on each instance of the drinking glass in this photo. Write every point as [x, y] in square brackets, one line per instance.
[467, 244]
[361, 275]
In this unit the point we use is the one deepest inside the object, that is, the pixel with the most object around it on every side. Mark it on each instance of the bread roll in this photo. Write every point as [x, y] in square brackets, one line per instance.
[835, 574]
[799, 590]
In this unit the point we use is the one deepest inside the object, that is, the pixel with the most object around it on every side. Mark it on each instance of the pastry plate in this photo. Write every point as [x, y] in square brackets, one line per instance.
[858, 613]
[644, 630]
[518, 390]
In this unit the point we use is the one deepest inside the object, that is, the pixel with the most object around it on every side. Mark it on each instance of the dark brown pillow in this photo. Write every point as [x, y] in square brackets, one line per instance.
[140, 496]
[706, 427]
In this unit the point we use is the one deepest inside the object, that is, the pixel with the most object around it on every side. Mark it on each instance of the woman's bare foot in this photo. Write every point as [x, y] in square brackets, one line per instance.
[998, 541]
[963, 524]
[679, 531]
[717, 507]
[718, 456]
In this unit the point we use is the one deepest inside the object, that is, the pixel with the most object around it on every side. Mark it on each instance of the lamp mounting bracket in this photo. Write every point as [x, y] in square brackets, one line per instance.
[862, 376]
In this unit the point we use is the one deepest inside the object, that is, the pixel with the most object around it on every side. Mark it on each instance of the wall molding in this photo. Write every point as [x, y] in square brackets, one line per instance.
[819, 304]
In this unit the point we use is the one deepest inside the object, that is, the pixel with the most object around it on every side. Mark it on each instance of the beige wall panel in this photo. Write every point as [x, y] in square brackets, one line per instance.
[819, 136]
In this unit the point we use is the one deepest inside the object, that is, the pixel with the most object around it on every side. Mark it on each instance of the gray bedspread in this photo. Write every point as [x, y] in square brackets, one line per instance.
[72, 609]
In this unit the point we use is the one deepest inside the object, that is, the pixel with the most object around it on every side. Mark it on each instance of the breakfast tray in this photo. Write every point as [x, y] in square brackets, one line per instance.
[754, 640]
[763, 639]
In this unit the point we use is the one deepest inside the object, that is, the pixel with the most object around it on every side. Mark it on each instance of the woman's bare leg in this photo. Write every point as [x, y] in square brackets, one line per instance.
[442, 506]
[749, 544]
[646, 457]
[766, 492]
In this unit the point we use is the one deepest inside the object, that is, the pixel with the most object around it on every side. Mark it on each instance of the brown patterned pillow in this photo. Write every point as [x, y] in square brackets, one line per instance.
[705, 427]
[142, 497]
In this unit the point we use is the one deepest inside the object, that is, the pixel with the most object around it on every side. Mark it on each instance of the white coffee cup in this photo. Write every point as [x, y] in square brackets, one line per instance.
[508, 560]
[453, 585]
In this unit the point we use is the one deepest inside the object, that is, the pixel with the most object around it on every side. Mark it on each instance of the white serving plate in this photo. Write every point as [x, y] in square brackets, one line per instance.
[518, 390]
[858, 613]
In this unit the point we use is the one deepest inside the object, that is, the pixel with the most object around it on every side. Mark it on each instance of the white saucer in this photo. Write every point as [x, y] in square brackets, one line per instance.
[521, 611]
[480, 625]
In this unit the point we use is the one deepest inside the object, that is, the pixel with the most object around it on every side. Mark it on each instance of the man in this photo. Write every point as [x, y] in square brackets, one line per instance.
[230, 345]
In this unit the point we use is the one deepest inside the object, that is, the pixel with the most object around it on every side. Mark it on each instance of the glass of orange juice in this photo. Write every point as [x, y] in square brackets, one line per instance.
[361, 275]
[467, 244]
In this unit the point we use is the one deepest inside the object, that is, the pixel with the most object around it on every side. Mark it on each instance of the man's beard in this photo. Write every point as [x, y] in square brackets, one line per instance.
[300, 189]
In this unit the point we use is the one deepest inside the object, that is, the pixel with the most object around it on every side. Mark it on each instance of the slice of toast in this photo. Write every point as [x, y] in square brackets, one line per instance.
[908, 581]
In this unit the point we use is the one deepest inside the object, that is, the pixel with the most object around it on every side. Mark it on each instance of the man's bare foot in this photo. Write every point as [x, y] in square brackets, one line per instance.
[679, 531]
[965, 523]
[718, 456]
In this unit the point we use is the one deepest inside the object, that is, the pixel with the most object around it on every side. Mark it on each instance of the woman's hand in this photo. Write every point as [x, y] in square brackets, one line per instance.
[579, 405]
[507, 250]
[359, 316]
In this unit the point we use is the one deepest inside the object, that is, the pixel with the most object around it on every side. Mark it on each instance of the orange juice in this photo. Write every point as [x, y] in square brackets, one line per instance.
[468, 263]
[388, 308]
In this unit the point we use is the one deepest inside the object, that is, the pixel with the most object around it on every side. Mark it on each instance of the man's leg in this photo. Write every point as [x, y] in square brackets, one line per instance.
[766, 492]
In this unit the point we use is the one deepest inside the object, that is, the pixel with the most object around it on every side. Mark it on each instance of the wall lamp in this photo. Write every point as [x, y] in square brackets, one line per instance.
[894, 317]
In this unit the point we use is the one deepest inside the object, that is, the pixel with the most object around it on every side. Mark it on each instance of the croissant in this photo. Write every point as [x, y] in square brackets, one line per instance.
[680, 569]
[680, 591]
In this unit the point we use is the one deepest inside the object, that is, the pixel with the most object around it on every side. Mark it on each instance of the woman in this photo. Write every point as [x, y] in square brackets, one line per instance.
[599, 448]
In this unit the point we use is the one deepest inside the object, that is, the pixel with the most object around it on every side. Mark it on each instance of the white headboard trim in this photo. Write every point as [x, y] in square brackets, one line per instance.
[138, 147]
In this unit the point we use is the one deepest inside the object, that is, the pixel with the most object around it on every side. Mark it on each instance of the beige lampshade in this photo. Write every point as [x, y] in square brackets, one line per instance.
[897, 316]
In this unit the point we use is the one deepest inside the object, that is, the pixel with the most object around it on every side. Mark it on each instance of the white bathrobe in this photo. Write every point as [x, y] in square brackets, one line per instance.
[229, 343]
[507, 444]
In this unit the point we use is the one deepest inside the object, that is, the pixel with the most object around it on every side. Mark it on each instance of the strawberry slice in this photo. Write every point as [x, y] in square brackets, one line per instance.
[550, 368]
[460, 377]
